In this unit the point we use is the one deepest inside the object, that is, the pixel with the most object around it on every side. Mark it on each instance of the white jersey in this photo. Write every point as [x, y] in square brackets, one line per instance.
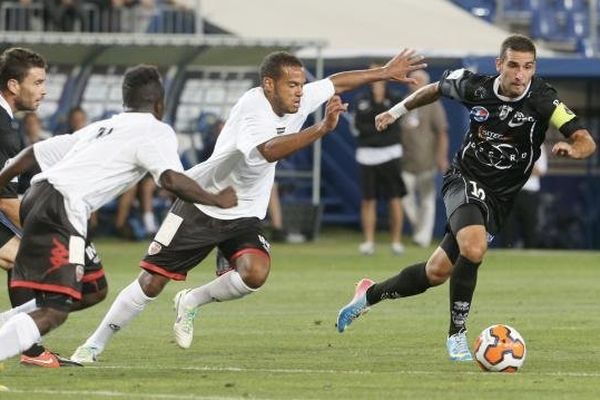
[237, 162]
[97, 163]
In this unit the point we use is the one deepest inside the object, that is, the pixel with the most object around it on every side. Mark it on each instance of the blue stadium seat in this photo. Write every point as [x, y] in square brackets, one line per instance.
[170, 20]
[546, 25]
[484, 9]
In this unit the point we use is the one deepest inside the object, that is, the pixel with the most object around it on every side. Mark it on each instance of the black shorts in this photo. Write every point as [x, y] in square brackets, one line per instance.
[458, 190]
[51, 256]
[7, 229]
[187, 236]
[383, 180]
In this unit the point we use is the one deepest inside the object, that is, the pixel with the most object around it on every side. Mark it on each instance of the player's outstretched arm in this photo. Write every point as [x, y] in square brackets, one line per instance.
[282, 146]
[580, 145]
[425, 95]
[395, 69]
[188, 190]
[24, 161]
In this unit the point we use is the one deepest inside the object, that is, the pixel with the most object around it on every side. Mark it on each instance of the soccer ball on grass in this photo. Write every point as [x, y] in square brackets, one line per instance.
[500, 348]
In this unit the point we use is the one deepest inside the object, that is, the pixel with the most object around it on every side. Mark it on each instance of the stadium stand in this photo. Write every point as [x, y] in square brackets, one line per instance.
[206, 73]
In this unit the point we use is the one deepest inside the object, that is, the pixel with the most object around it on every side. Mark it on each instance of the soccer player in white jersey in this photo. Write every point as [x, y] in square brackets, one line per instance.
[264, 126]
[97, 164]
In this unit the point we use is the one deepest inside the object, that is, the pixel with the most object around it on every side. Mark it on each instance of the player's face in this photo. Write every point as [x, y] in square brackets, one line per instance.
[31, 90]
[286, 92]
[516, 69]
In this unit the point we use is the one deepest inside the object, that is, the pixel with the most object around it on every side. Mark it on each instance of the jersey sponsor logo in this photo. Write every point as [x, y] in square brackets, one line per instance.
[489, 135]
[504, 111]
[497, 155]
[479, 114]
[518, 119]
[280, 130]
[154, 248]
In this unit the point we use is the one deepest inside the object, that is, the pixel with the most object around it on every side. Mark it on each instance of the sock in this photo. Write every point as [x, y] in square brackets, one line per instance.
[409, 282]
[23, 308]
[128, 304]
[18, 334]
[149, 222]
[228, 286]
[462, 286]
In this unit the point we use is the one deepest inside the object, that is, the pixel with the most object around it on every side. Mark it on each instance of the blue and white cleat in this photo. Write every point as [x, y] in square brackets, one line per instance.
[458, 347]
[356, 307]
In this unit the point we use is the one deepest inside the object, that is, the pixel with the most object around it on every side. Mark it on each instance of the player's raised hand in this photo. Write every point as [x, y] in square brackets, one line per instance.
[226, 198]
[383, 120]
[332, 113]
[401, 65]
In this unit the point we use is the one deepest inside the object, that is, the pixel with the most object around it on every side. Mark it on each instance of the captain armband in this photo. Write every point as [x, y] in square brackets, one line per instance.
[561, 115]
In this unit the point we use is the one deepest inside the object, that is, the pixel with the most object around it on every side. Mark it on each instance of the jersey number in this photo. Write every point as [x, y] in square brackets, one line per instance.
[477, 191]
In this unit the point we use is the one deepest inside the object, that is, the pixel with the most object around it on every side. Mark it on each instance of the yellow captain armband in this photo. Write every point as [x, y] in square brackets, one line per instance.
[561, 115]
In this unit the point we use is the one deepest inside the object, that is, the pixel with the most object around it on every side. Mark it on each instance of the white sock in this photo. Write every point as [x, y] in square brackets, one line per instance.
[228, 286]
[128, 304]
[17, 335]
[149, 222]
[23, 308]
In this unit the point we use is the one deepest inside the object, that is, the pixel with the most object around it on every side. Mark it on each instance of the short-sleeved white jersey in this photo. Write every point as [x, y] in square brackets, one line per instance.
[237, 162]
[97, 163]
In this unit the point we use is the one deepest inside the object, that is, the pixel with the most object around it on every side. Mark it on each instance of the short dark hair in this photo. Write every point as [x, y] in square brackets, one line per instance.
[517, 43]
[273, 63]
[16, 62]
[142, 87]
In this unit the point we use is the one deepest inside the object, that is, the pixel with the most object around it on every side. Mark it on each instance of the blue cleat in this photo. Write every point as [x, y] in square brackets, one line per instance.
[356, 307]
[458, 347]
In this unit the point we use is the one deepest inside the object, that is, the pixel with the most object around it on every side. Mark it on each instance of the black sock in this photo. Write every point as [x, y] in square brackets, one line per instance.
[462, 286]
[34, 350]
[410, 281]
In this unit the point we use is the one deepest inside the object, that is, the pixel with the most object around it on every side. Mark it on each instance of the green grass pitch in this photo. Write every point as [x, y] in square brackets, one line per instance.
[280, 343]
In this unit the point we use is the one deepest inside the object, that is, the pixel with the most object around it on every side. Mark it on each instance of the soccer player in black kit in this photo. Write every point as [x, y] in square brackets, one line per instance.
[510, 113]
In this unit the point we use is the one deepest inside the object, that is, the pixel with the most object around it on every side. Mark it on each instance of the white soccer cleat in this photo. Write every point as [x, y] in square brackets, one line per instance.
[85, 354]
[183, 328]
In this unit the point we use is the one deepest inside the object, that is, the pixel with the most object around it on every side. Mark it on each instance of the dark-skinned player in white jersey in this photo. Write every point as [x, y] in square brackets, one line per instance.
[264, 126]
[510, 113]
[94, 166]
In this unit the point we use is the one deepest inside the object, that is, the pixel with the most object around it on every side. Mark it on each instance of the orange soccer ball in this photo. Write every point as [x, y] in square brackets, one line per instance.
[500, 348]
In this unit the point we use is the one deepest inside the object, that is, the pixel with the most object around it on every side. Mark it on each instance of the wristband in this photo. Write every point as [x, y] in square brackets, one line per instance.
[398, 110]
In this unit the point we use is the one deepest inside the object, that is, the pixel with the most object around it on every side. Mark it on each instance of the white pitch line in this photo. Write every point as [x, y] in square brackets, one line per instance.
[127, 395]
[335, 371]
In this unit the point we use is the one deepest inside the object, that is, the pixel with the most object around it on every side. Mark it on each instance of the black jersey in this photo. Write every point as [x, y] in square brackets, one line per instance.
[505, 135]
[366, 111]
[10, 145]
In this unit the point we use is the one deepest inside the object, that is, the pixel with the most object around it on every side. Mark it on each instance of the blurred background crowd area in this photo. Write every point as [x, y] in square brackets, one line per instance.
[209, 50]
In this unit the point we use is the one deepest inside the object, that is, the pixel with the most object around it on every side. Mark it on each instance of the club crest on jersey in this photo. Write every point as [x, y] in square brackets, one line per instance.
[154, 248]
[504, 111]
[479, 113]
